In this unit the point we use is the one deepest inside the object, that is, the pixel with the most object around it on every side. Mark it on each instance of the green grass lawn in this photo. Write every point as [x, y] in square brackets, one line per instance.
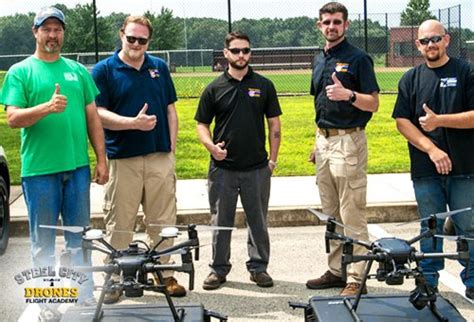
[387, 149]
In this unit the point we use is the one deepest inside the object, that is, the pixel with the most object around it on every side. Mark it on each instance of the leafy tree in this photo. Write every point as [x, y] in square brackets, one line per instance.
[167, 30]
[416, 12]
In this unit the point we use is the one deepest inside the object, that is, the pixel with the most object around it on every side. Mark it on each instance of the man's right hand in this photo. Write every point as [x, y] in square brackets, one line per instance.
[144, 122]
[219, 152]
[58, 102]
[441, 160]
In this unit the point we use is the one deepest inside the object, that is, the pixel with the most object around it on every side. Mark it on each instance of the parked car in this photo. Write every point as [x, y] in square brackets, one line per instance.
[4, 202]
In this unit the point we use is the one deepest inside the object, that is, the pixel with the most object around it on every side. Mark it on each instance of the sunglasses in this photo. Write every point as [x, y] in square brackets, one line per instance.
[434, 40]
[336, 22]
[237, 51]
[132, 40]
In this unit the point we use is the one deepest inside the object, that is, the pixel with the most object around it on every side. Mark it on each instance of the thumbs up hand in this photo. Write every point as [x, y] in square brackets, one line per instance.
[337, 92]
[429, 122]
[143, 121]
[58, 102]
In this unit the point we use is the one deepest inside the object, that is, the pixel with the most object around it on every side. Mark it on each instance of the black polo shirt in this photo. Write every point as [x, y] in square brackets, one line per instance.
[447, 89]
[355, 69]
[239, 108]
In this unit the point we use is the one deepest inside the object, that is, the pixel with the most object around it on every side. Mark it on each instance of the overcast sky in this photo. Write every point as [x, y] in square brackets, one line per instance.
[240, 8]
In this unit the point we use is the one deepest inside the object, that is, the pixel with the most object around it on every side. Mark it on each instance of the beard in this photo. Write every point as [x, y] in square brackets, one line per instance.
[332, 39]
[237, 66]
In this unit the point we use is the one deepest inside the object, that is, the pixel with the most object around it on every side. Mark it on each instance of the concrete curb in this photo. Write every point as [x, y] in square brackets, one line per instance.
[277, 217]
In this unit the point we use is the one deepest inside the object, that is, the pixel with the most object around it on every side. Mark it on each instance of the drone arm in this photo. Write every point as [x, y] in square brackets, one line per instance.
[426, 234]
[187, 243]
[457, 255]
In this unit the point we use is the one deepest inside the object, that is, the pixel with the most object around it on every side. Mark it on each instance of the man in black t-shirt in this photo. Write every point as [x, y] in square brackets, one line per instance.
[345, 96]
[435, 113]
[239, 100]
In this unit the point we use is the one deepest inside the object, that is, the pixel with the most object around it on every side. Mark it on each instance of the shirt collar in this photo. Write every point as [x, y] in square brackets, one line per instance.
[147, 63]
[339, 47]
[229, 76]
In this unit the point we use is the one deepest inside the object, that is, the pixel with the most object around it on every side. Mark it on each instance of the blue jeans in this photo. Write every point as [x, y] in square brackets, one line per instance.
[433, 195]
[46, 196]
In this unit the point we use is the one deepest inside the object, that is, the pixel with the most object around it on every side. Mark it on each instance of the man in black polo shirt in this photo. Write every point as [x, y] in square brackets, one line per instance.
[345, 96]
[435, 113]
[239, 100]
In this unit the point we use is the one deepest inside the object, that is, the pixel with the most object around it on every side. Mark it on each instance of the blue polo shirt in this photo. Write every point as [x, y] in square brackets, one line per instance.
[124, 90]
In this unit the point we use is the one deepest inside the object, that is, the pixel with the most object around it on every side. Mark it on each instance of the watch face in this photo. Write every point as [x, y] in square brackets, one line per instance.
[353, 97]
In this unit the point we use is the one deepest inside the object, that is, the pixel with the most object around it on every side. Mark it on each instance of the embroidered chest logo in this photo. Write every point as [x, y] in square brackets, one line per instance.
[255, 92]
[342, 67]
[448, 82]
[154, 72]
[72, 77]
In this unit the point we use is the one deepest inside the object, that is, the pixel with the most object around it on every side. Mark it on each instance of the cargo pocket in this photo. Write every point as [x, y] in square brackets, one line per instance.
[359, 191]
[351, 167]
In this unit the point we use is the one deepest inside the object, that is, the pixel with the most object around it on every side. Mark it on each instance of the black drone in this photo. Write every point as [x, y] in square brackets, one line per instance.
[134, 263]
[397, 260]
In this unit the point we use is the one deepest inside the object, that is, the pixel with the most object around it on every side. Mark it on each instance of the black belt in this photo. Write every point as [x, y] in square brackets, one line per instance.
[332, 132]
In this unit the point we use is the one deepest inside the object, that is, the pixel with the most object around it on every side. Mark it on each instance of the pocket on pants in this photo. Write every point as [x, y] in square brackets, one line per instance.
[351, 167]
[358, 192]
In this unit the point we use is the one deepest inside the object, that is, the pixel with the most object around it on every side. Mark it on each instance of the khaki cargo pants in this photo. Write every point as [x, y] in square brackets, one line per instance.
[341, 163]
[147, 180]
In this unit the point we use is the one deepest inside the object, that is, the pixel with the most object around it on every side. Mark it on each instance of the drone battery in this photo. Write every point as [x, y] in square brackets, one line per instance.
[377, 308]
[133, 313]
[398, 249]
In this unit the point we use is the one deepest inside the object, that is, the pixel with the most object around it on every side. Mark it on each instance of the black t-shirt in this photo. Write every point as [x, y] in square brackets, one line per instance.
[355, 69]
[239, 108]
[447, 89]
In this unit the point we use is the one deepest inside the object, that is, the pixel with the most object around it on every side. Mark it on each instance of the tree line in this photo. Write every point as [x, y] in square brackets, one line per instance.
[177, 33]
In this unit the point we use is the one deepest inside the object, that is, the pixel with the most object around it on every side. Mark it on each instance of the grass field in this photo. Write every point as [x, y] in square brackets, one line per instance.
[387, 149]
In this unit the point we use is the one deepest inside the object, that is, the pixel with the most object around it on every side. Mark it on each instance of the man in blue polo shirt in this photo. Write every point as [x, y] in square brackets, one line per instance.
[345, 96]
[136, 106]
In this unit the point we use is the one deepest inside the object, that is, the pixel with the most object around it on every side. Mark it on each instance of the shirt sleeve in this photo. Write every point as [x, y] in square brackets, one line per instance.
[99, 73]
[170, 90]
[403, 107]
[90, 88]
[13, 90]
[368, 81]
[272, 108]
[470, 88]
[205, 111]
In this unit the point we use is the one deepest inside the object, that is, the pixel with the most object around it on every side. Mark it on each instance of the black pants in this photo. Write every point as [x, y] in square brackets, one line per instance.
[254, 189]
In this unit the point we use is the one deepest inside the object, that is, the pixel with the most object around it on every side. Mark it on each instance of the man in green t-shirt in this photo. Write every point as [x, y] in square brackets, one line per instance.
[51, 99]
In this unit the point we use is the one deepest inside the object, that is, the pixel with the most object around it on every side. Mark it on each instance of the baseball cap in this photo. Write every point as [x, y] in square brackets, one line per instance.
[46, 13]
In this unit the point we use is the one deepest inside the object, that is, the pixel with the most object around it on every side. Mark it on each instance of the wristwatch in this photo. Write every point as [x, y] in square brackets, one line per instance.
[353, 97]
[272, 163]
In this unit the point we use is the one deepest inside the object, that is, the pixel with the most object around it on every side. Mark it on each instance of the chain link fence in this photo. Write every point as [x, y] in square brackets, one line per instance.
[189, 36]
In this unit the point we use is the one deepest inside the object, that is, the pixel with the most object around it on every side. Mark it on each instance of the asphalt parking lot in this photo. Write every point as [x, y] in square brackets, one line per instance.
[297, 255]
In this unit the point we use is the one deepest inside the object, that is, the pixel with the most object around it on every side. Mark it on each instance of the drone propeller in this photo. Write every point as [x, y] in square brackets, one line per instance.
[79, 229]
[182, 251]
[72, 229]
[453, 238]
[198, 227]
[439, 215]
[324, 217]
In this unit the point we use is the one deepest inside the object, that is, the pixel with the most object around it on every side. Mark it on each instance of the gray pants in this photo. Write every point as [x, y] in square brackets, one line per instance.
[254, 189]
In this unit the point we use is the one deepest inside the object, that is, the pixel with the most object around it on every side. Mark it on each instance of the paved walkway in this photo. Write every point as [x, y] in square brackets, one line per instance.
[286, 192]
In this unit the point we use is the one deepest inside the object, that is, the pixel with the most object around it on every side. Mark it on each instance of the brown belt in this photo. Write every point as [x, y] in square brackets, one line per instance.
[332, 132]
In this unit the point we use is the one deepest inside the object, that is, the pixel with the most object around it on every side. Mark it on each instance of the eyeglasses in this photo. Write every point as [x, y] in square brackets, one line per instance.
[132, 40]
[336, 22]
[237, 51]
[434, 40]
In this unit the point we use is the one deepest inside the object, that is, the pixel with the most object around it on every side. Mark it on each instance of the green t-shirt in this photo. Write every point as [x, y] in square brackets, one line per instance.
[57, 142]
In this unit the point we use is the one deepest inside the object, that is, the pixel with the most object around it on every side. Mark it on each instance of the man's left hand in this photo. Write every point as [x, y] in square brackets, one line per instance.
[101, 173]
[429, 122]
[337, 92]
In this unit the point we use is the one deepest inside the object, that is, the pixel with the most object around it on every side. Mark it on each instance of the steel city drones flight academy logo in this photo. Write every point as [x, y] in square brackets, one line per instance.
[53, 290]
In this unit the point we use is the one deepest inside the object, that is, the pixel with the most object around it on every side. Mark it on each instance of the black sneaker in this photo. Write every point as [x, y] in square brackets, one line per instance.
[470, 293]
[213, 281]
[262, 279]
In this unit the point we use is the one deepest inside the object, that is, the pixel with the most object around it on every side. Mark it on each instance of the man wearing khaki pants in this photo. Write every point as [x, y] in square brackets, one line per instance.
[345, 95]
[136, 106]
